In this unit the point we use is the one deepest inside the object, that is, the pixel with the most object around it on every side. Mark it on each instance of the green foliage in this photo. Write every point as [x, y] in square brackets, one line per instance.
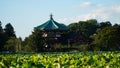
[29, 44]
[1, 29]
[73, 48]
[104, 24]
[13, 44]
[108, 38]
[34, 42]
[9, 31]
[84, 47]
[87, 28]
[2, 37]
[61, 60]
[73, 27]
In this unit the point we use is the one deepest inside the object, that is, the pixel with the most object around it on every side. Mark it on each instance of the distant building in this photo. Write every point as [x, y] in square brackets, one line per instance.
[52, 30]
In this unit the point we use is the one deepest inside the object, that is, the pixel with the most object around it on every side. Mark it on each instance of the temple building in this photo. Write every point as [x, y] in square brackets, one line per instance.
[52, 30]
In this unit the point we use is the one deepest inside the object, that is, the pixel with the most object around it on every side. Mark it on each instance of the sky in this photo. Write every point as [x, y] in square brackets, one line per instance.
[24, 15]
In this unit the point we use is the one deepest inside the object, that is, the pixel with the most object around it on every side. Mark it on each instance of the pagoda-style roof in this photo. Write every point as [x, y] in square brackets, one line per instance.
[52, 25]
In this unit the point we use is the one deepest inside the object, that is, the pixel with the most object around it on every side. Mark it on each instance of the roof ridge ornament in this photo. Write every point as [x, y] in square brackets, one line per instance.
[51, 16]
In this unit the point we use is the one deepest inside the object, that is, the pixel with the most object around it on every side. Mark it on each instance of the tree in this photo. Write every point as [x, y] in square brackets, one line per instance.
[1, 29]
[9, 31]
[108, 38]
[2, 40]
[86, 28]
[34, 42]
[73, 27]
[116, 25]
[29, 44]
[90, 27]
[83, 27]
[104, 24]
[13, 44]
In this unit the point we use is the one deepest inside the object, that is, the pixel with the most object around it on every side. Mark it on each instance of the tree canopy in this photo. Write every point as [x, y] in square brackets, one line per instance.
[100, 36]
[6, 34]
[87, 28]
[9, 31]
[108, 38]
[2, 38]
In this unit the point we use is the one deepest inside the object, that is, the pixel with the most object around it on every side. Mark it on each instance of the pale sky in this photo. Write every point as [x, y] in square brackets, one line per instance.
[24, 15]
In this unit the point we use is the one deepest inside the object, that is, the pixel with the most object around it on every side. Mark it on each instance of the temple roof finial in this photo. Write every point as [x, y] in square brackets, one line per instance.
[51, 16]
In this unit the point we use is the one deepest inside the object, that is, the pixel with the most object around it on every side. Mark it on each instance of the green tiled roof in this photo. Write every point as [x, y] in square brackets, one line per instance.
[52, 25]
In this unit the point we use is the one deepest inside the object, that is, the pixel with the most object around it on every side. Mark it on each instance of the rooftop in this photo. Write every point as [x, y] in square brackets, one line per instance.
[52, 25]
